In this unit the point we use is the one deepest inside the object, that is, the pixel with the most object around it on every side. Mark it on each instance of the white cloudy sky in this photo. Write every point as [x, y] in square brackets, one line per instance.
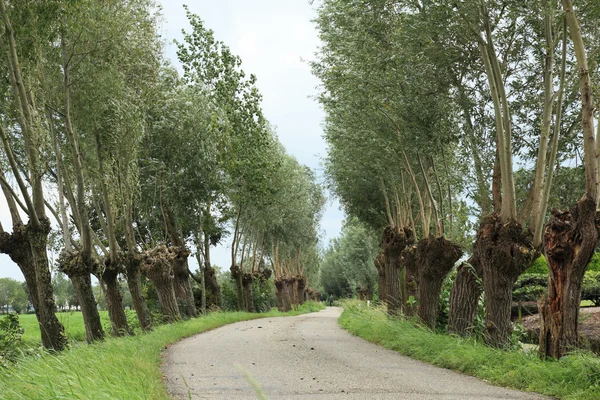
[272, 37]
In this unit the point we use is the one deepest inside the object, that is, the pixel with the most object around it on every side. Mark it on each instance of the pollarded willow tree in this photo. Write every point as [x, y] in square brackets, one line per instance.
[244, 159]
[388, 162]
[489, 61]
[25, 138]
[97, 120]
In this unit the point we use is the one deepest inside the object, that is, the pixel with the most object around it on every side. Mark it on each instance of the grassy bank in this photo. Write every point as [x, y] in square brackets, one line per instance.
[118, 368]
[573, 377]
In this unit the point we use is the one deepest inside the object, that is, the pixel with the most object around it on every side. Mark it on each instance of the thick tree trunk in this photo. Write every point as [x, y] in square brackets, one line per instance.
[114, 302]
[283, 294]
[134, 282]
[213, 291]
[435, 258]
[301, 288]
[79, 266]
[505, 250]
[569, 241]
[279, 293]
[411, 282]
[380, 266]
[247, 280]
[18, 247]
[394, 241]
[181, 281]
[82, 282]
[157, 266]
[464, 298]
[236, 275]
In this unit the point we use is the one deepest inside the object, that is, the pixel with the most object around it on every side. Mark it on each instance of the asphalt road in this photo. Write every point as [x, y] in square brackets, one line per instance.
[308, 357]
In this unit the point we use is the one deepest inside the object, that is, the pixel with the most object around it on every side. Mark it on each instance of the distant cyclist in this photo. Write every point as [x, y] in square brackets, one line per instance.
[331, 300]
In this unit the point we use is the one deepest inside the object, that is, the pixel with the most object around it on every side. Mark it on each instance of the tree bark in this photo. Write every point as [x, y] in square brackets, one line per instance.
[78, 266]
[394, 240]
[380, 266]
[181, 281]
[82, 282]
[435, 258]
[279, 294]
[247, 280]
[114, 302]
[236, 275]
[157, 266]
[213, 291]
[569, 241]
[464, 298]
[301, 288]
[505, 251]
[18, 247]
[134, 282]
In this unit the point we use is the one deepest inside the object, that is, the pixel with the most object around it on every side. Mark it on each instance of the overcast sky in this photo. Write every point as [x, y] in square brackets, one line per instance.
[274, 38]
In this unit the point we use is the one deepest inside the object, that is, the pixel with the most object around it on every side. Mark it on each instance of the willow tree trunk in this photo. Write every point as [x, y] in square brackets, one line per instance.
[284, 299]
[279, 293]
[82, 282]
[394, 241]
[569, 241]
[114, 302]
[301, 288]
[157, 266]
[213, 291]
[78, 266]
[411, 282]
[464, 298]
[380, 266]
[236, 275]
[247, 280]
[134, 282]
[181, 281]
[18, 247]
[505, 250]
[435, 258]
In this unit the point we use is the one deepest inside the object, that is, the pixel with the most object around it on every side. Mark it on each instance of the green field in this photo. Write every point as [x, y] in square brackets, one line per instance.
[71, 320]
[116, 368]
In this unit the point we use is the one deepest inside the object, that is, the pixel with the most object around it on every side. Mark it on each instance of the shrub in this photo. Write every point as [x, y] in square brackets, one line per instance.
[540, 266]
[530, 287]
[10, 339]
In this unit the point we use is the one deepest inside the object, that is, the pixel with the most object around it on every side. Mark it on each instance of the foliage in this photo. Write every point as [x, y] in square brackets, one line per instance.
[539, 266]
[10, 339]
[348, 262]
[576, 376]
[124, 368]
[12, 294]
[530, 287]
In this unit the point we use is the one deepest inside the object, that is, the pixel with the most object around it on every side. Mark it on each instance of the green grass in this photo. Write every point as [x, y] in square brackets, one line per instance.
[71, 320]
[117, 368]
[576, 376]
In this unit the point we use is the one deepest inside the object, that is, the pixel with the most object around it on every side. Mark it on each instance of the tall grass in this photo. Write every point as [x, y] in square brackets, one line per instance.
[576, 376]
[117, 368]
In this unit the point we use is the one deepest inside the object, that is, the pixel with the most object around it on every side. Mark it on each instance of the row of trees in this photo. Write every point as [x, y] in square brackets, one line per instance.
[430, 105]
[13, 294]
[137, 165]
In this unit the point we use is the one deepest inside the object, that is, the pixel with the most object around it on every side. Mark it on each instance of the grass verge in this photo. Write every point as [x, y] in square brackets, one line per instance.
[576, 376]
[117, 368]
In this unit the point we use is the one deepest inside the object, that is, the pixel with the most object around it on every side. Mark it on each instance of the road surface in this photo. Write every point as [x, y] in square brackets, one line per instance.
[308, 357]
